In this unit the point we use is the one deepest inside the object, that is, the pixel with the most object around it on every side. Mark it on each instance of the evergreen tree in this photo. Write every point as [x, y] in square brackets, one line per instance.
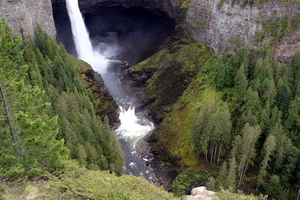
[28, 135]
[247, 151]
[88, 138]
[284, 96]
[202, 127]
[240, 85]
[222, 176]
[211, 130]
[268, 149]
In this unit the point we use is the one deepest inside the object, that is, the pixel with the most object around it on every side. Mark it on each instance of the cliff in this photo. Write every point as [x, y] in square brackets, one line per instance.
[163, 8]
[221, 25]
[27, 14]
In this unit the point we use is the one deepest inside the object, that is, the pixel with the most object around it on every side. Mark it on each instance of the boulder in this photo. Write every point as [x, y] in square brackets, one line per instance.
[201, 193]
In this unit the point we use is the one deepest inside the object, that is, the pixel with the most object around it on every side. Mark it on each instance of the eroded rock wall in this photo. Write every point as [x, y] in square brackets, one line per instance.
[164, 8]
[221, 25]
[27, 14]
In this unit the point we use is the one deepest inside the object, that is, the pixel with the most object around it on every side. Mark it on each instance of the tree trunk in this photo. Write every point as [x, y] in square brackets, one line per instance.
[7, 113]
[243, 171]
[215, 153]
[220, 148]
[211, 152]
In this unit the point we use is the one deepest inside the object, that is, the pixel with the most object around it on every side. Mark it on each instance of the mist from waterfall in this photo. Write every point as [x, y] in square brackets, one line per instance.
[82, 40]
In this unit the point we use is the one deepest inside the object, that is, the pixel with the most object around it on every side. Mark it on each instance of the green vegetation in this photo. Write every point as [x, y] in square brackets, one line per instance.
[28, 135]
[78, 183]
[227, 195]
[88, 138]
[176, 68]
[244, 3]
[211, 130]
[37, 137]
[260, 102]
[261, 99]
[184, 4]
[188, 179]
[276, 29]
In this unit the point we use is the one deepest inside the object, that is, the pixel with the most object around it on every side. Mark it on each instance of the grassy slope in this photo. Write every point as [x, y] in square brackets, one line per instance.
[79, 183]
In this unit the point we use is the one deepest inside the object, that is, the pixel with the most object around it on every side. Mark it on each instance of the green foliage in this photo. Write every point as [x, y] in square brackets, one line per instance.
[228, 195]
[28, 135]
[78, 183]
[220, 72]
[211, 129]
[296, 23]
[29, 125]
[269, 147]
[259, 95]
[184, 4]
[241, 85]
[243, 3]
[189, 179]
[275, 29]
[88, 138]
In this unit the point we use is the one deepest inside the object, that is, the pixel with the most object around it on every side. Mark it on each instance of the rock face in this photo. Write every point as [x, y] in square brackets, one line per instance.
[27, 14]
[164, 8]
[220, 26]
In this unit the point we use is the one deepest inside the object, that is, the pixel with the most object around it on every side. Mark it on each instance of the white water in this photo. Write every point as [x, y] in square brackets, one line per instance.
[82, 40]
[132, 128]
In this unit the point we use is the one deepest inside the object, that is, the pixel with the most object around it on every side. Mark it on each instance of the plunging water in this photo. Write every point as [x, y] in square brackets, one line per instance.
[132, 128]
[82, 41]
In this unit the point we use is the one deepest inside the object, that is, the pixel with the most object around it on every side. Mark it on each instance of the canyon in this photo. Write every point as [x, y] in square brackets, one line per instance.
[143, 28]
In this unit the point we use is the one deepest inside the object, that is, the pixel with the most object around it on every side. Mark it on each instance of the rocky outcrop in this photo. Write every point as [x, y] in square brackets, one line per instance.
[221, 26]
[27, 14]
[106, 106]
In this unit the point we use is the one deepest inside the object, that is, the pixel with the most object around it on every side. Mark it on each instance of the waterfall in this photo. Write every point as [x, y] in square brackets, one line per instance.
[82, 40]
[132, 128]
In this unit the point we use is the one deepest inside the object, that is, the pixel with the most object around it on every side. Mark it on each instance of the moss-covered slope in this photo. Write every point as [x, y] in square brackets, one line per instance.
[172, 95]
[106, 106]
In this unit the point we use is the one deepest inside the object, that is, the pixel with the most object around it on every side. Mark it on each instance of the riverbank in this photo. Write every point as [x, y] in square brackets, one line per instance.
[165, 174]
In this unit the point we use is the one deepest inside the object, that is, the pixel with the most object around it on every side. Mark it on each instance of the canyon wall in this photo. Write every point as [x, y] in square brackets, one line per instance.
[27, 14]
[221, 25]
[163, 8]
